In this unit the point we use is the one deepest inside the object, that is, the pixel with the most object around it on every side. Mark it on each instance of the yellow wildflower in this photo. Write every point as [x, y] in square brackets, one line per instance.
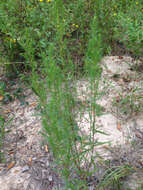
[75, 25]
[48, 1]
[11, 40]
[137, 2]
[115, 14]
[14, 40]
[41, 0]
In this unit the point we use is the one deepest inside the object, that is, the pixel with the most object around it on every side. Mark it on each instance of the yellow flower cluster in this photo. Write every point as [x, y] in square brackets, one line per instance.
[75, 25]
[48, 1]
[13, 40]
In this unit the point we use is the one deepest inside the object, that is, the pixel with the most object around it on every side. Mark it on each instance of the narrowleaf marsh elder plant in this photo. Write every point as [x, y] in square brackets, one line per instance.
[58, 116]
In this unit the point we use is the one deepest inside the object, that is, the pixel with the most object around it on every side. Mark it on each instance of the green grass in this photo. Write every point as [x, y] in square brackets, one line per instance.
[58, 41]
[2, 134]
[3, 124]
[114, 176]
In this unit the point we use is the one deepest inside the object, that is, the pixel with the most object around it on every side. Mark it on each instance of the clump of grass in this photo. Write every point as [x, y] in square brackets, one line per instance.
[2, 134]
[114, 176]
[3, 125]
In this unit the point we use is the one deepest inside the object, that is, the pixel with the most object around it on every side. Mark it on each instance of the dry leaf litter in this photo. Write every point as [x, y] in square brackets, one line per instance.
[29, 162]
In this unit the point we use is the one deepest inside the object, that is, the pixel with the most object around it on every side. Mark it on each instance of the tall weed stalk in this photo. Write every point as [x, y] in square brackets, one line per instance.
[58, 115]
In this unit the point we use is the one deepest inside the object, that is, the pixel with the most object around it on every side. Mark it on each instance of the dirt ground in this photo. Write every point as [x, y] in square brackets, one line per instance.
[28, 160]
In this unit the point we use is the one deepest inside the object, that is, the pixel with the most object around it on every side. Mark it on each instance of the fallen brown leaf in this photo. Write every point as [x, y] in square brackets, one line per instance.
[7, 111]
[120, 57]
[46, 148]
[139, 135]
[30, 161]
[33, 104]
[140, 162]
[10, 165]
[119, 127]
[126, 79]
[1, 97]
[11, 152]
[16, 171]
[117, 99]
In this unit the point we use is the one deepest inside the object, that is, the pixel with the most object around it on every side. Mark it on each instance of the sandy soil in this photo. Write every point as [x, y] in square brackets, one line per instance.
[28, 159]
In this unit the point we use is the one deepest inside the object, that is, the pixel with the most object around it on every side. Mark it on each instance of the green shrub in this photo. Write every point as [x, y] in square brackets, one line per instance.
[128, 28]
[28, 27]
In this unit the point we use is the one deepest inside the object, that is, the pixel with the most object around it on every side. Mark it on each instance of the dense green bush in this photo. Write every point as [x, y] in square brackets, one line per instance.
[128, 27]
[28, 27]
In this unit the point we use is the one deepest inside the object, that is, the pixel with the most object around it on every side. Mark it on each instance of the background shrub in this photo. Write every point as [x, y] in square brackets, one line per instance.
[28, 27]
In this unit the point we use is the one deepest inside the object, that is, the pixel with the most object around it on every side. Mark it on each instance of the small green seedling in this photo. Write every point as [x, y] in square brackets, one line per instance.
[2, 133]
